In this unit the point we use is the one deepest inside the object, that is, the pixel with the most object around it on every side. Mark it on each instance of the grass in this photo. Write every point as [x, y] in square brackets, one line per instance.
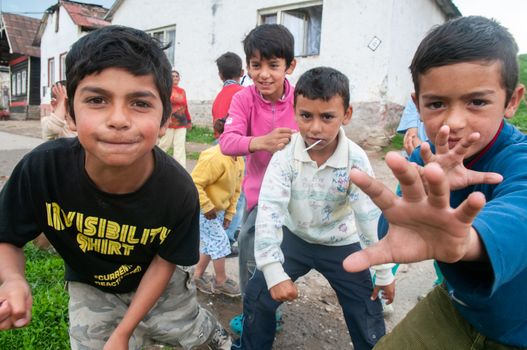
[49, 325]
[200, 134]
[520, 118]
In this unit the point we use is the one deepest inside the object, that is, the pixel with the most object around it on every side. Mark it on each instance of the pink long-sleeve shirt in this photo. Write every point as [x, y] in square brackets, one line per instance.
[251, 115]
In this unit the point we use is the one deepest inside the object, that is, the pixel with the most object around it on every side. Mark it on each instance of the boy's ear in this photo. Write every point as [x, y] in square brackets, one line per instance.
[514, 102]
[416, 101]
[163, 128]
[291, 67]
[347, 115]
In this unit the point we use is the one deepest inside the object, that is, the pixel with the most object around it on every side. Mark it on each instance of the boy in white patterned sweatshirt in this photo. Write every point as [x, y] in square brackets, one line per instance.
[310, 216]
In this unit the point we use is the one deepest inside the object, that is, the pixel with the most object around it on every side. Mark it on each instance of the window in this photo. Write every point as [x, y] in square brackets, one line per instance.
[166, 35]
[51, 71]
[62, 66]
[18, 84]
[304, 22]
[13, 84]
[24, 82]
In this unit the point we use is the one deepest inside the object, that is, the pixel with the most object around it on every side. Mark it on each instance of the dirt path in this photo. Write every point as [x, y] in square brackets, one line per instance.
[315, 320]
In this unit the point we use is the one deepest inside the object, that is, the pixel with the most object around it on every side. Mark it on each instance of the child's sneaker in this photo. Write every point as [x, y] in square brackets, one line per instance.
[229, 288]
[220, 339]
[204, 284]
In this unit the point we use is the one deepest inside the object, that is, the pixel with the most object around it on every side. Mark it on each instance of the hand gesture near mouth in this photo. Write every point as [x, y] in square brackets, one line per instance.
[451, 161]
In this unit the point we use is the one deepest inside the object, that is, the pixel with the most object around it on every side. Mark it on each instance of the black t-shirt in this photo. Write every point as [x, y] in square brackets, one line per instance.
[106, 240]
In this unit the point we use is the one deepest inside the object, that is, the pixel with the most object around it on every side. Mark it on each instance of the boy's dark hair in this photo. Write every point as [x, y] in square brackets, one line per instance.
[468, 39]
[119, 47]
[270, 40]
[323, 83]
[219, 125]
[229, 66]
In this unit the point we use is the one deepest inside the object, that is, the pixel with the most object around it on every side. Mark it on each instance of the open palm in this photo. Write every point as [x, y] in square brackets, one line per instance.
[422, 225]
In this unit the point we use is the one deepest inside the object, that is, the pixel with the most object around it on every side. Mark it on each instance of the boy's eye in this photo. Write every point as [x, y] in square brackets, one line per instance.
[479, 103]
[95, 100]
[141, 104]
[327, 117]
[305, 115]
[435, 105]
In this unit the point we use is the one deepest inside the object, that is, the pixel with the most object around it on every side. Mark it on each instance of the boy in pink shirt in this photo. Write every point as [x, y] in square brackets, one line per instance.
[261, 121]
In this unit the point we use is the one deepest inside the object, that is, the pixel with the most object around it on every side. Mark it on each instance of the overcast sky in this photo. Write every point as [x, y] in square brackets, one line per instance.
[510, 13]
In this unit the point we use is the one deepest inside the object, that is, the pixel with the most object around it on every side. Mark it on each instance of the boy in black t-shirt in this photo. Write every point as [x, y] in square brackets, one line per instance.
[119, 211]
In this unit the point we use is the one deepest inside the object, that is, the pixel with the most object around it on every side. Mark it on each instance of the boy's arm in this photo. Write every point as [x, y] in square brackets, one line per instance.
[15, 295]
[151, 287]
[231, 210]
[234, 141]
[273, 203]
[204, 174]
[421, 225]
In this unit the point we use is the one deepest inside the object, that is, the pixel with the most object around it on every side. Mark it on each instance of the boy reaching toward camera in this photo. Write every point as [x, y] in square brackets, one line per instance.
[310, 216]
[465, 75]
[118, 210]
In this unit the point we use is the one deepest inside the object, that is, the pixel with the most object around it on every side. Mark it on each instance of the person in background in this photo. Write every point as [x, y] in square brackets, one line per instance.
[178, 123]
[218, 179]
[55, 125]
[230, 71]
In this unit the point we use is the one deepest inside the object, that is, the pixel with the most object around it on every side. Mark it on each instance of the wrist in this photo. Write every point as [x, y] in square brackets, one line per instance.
[475, 248]
[254, 144]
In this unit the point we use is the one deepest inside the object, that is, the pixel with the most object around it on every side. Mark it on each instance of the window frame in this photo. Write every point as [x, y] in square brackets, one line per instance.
[278, 11]
[51, 71]
[62, 65]
[172, 48]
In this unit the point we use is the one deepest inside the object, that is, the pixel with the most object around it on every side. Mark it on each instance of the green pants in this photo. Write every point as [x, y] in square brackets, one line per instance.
[434, 323]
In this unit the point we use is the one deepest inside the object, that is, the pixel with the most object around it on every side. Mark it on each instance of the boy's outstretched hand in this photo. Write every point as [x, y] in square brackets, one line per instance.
[284, 291]
[421, 225]
[451, 160]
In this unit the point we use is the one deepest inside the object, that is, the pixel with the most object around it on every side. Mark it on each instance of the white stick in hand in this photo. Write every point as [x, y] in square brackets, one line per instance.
[313, 145]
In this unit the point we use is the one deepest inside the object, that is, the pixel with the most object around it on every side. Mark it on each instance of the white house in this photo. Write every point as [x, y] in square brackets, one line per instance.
[62, 25]
[371, 41]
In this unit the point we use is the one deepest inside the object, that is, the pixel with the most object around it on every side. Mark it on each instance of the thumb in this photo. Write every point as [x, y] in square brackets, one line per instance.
[376, 254]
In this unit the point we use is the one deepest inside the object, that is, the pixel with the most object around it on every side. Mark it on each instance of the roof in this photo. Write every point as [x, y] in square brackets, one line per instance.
[20, 31]
[86, 16]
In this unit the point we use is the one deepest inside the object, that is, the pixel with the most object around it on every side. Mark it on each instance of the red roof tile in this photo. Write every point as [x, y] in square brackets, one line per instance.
[20, 32]
[86, 15]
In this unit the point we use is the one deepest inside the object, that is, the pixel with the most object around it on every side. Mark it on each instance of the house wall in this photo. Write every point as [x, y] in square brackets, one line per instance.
[379, 79]
[53, 44]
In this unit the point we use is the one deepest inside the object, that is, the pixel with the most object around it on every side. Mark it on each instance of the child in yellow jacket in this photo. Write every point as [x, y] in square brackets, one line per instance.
[218, 179]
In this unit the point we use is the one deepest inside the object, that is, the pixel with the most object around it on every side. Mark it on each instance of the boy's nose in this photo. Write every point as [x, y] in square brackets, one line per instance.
[455, 119]
[118, 118]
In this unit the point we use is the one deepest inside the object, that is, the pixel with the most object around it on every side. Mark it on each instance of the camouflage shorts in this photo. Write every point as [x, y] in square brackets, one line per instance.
[176, 319]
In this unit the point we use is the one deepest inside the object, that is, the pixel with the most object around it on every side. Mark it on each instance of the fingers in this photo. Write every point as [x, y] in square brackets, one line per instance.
[408, 176]
[375, 293]
[461, 148]
[438, 186]
[441, 141]
[467, 211]
[426, 153]
[16, 314]
[379, 194]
